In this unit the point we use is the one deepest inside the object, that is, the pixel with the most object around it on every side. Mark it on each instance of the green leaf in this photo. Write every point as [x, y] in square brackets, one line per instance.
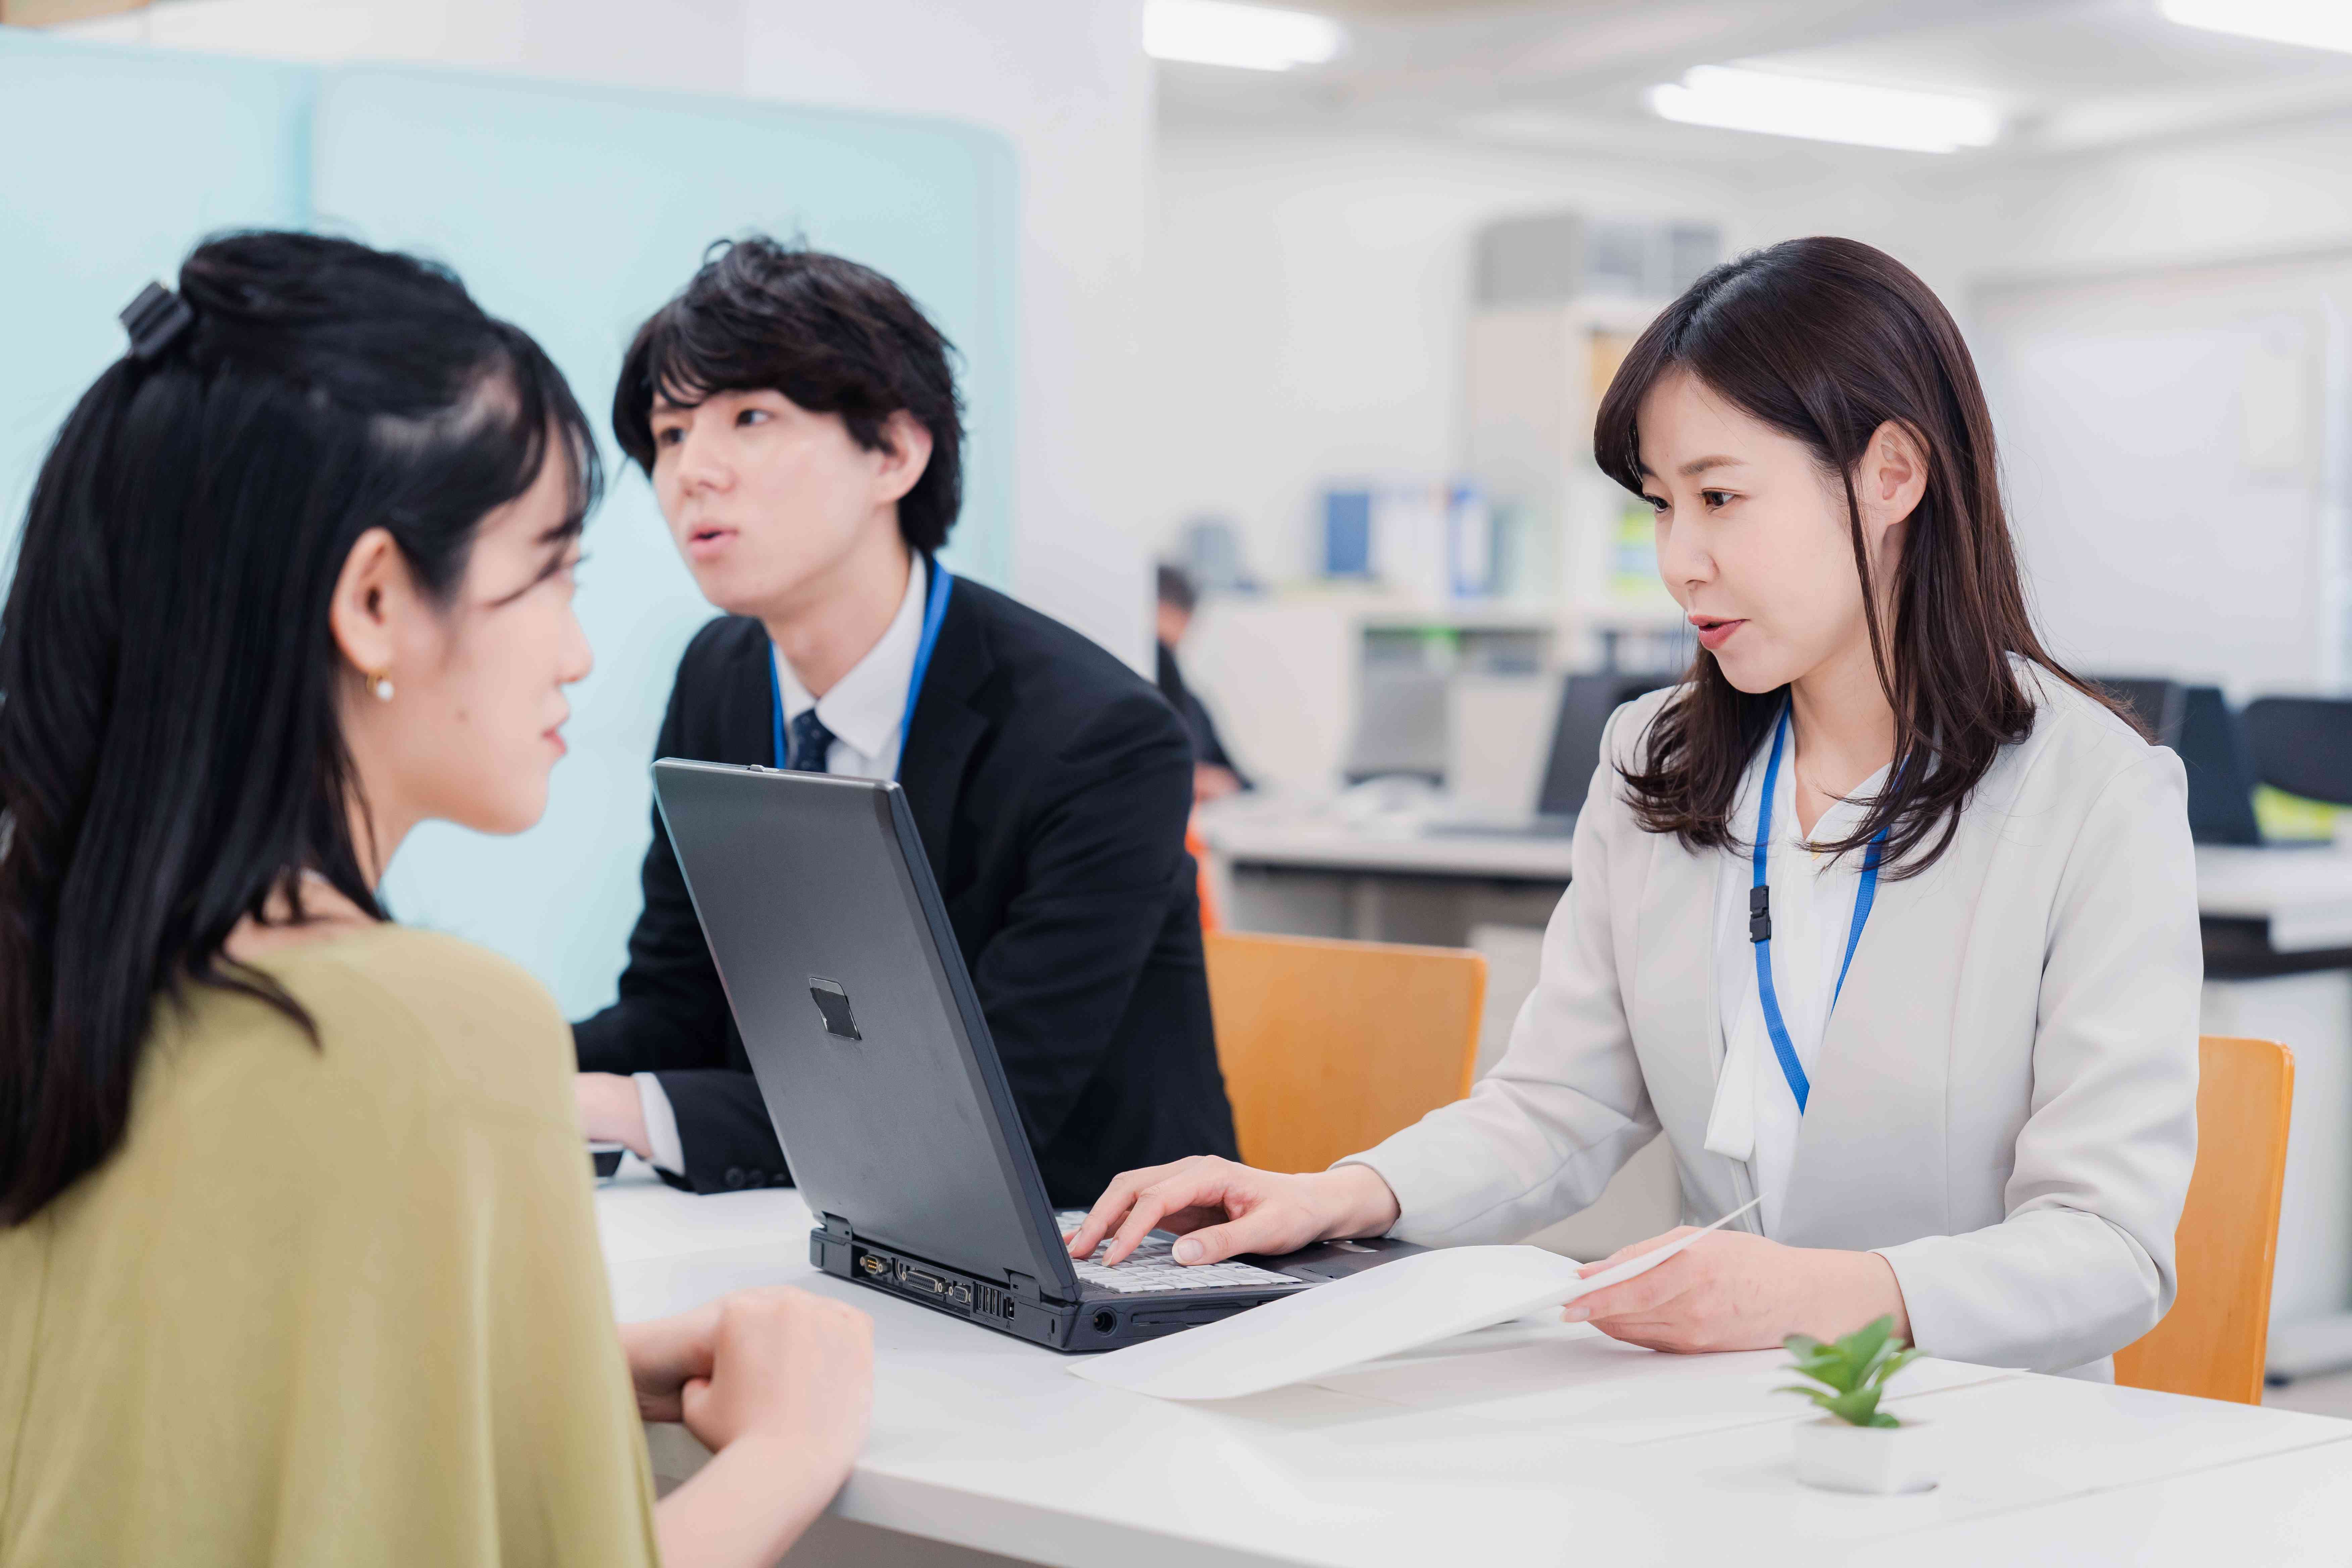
[1896, 1363]
[1828, 1367]
[1857, 1408]
[1853, 1369]
[1821, 1397]
[1865, 1343]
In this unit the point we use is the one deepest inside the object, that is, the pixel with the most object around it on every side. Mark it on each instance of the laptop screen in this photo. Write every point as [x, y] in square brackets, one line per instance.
[860, 1021]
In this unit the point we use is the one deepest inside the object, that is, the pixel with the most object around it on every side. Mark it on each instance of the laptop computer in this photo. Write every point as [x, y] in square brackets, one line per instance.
[878, 1071]
[1586, 701]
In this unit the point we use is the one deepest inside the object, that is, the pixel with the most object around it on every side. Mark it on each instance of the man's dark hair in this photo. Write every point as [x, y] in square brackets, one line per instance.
[1176, 590]
[833, 336]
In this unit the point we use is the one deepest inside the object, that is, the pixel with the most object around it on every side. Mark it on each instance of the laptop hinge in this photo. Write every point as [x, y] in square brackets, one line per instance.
[1023, 1286]
[835, 1227]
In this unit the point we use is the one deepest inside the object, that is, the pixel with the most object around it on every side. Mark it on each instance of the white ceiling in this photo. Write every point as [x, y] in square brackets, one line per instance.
[1569, 74]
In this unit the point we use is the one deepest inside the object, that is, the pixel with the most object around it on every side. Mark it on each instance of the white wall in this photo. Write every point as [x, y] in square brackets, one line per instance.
[1307, 297]
[2251, 193]
[1068, 82]
[1065, 80]
[1308, 292]
[2215, 550]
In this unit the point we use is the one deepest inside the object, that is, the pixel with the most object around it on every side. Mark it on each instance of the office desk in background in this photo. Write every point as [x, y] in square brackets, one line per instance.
[1530, 1444]
[1308, 873]
[2267, 911]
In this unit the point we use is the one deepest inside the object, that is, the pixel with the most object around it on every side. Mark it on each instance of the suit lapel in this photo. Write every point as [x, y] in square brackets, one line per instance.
[747, 702]
[947, 726]
[1677, 1026]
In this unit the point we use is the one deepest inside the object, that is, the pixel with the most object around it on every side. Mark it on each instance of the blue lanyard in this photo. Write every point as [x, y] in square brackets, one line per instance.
[935, 610]
[1760, 924]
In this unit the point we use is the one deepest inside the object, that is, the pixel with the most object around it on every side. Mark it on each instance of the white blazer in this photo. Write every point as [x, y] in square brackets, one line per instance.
[2005, 1102]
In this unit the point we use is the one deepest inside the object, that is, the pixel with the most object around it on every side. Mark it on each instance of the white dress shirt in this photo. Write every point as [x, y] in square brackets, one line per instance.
[866, 709]
[1755, 1117]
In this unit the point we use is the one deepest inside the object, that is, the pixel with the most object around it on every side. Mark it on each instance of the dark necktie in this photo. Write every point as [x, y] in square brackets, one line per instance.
[812, 744]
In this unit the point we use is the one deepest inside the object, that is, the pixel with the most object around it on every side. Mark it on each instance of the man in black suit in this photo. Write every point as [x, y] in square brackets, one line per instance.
[801, 425]
[1214, 776]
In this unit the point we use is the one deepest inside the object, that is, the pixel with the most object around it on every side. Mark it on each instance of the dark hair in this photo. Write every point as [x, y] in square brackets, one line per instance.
[170, 750]
[1176, 590]
[833, 336]
[1827, 339]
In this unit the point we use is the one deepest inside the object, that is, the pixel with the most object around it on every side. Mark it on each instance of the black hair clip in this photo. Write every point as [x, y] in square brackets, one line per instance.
[156, 321]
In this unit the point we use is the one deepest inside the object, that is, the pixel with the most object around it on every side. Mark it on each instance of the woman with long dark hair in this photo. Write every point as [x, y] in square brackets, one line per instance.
[297, 1259]
[1880, 915]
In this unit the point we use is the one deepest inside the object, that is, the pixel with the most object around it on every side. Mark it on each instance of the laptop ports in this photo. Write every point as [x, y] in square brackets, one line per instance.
[919, 1279]
[873, 1265]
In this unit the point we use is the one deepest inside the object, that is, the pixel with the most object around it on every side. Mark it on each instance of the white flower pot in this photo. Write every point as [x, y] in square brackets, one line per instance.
[1841, 1457]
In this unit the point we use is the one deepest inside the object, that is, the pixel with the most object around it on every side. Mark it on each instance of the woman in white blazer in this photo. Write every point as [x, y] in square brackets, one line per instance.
[1945, 1022]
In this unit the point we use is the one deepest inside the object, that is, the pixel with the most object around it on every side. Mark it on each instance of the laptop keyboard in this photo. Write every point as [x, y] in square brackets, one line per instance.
[1153, 1266]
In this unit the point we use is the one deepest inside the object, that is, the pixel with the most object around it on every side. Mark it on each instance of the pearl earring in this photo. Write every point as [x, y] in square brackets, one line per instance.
[382, 686]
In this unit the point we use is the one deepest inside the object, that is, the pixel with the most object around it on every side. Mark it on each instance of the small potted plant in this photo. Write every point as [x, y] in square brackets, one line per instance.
[1855, 1446]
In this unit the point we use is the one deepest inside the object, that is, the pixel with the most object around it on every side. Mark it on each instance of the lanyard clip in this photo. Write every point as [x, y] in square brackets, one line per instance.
[1759, 914]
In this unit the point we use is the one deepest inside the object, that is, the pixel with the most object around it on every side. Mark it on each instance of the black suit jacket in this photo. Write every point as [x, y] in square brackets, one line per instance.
[1051, 786]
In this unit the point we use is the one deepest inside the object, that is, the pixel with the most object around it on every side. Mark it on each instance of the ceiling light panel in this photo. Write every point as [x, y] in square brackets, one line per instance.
[2314, 23]
[1248, 38]
[1820, 110]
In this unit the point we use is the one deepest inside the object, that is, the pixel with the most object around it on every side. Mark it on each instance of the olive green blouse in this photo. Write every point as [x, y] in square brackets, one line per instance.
[337, 1304]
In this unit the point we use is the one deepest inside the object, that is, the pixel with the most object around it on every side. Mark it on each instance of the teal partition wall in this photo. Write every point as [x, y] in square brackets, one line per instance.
[571, 210]
[116, 161]
[575, 212]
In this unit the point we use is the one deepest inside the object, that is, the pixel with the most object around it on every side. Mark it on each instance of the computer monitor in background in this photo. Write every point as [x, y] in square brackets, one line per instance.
[2302, 745]
[2198, 723]
[2213, 748]
[1399, 725]
[1585, 703]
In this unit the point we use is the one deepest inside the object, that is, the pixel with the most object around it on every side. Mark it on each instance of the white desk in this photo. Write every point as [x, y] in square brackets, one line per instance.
[2305, 895]
[1322, 844]
[1283, 867]
[1533, 1445]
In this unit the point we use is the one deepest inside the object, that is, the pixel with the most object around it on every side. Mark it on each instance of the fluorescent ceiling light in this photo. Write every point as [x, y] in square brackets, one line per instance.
[1252, 38]
[2315, 24]
[1826, 110]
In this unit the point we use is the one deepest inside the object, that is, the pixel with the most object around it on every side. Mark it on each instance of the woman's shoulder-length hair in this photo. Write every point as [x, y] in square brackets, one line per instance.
[1827, 341]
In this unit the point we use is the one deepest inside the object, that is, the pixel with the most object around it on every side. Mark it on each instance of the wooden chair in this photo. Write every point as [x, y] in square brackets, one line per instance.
[1329, 1046]
[2212, 1343]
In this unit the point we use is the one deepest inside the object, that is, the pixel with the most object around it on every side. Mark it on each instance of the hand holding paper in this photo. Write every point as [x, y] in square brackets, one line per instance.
[1738, 1290]
[1396, 1307]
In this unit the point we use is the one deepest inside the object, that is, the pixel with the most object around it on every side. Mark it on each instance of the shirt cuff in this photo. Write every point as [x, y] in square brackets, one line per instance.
[661, 1125]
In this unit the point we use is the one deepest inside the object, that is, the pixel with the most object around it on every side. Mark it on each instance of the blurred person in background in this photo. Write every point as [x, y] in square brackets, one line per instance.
[1887, 921]
[1214, 776]
[299, 1261]
[800, 421]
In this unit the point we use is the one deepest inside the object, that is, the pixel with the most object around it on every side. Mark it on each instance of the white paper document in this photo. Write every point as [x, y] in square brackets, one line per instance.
[1395, 1306]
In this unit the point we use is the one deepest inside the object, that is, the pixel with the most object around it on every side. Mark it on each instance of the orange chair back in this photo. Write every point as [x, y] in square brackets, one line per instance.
[1329, 1046]
[1198, 847]
[2213, 1342]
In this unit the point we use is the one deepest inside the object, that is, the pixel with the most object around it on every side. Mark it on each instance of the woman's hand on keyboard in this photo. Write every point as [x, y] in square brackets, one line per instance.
[1221, 1209]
